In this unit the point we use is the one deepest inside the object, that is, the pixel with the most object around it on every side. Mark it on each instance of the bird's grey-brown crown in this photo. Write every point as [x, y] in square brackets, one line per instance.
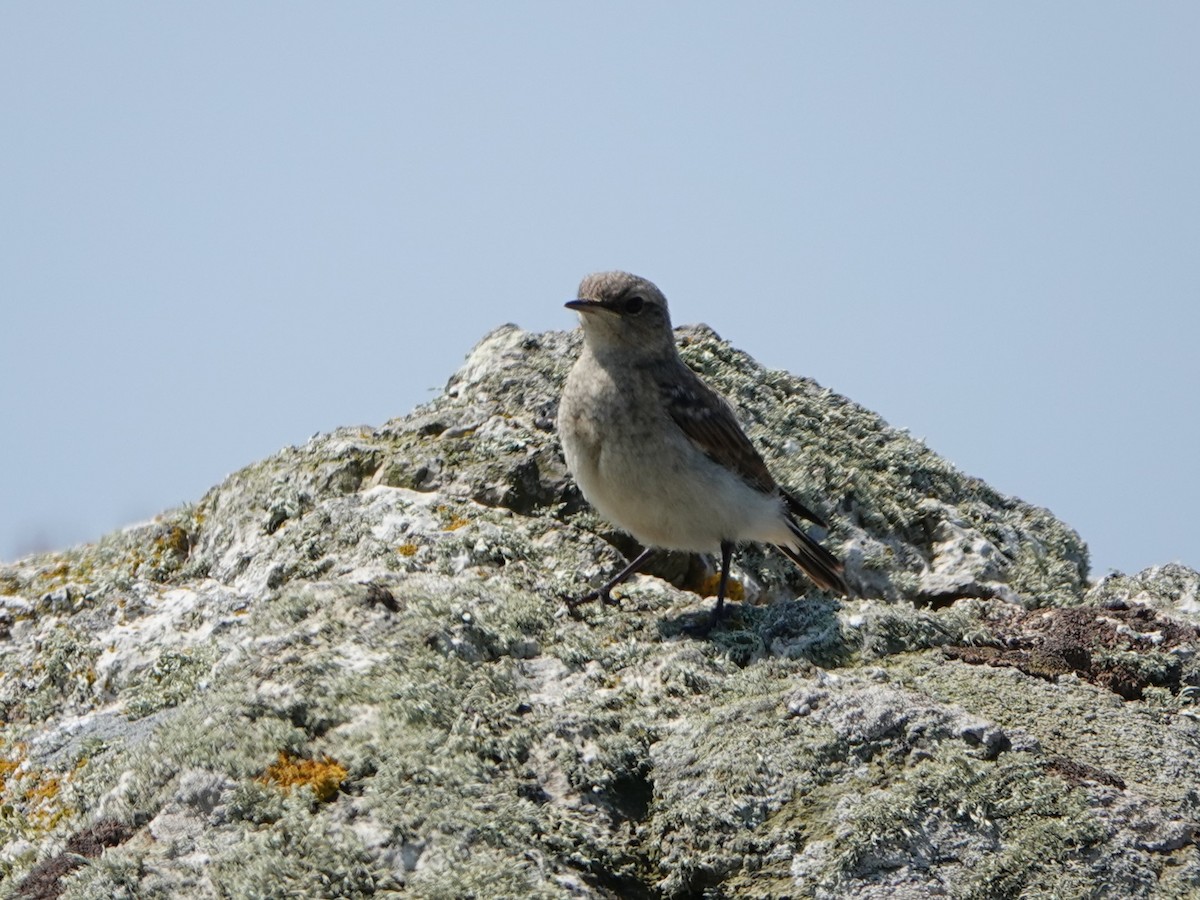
[624, 315]
[620, 292]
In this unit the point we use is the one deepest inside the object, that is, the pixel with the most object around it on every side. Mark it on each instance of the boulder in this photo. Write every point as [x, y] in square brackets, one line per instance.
[350, 670]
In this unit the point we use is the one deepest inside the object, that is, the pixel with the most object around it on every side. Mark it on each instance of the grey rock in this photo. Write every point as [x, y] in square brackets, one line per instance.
[348, 670]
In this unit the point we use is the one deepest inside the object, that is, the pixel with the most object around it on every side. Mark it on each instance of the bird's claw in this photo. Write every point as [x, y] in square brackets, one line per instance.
[601, 594]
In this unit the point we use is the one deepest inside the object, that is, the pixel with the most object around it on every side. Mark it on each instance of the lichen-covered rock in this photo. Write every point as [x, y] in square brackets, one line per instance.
[1172, 589]
[348, 671]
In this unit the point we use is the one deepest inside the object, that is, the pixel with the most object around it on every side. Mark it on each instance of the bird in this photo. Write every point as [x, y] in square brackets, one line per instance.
[660, 454]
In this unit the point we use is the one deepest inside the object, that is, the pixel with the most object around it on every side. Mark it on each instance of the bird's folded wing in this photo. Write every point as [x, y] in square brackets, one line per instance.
[708, 420]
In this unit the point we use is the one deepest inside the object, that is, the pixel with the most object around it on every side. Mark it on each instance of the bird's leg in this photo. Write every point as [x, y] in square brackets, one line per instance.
[604, 593]
[726, 558]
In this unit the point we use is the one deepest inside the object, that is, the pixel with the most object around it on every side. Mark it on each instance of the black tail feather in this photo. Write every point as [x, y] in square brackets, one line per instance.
[815, 561]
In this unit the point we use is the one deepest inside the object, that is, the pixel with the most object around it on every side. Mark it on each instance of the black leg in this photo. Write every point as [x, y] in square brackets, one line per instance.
[726, 558]
[604, 593]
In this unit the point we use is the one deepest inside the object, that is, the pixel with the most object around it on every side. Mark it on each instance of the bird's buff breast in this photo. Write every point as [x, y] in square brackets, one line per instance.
[642, 474]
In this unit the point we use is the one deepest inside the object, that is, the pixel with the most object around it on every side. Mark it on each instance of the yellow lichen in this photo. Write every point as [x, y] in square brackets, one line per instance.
[324, 776]
[408, 549]
[456, 523]
[58, 574]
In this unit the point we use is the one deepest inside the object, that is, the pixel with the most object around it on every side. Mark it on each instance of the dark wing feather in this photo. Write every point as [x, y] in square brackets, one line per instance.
[799, 509]
[708, 421]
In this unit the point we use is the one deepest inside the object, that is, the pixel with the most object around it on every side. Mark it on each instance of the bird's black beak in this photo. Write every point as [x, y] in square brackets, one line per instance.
[582, 305]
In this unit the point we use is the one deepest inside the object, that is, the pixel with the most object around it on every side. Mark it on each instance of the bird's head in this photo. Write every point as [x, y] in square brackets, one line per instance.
[623, 313]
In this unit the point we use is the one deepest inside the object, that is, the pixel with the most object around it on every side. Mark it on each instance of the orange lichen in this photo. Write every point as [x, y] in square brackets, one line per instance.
[7, 767]
[43, 801]
[173, 541]
[323, 776]
[36, 793]
[733, 591]
[456, 523]
[44, 790]
[408, 549]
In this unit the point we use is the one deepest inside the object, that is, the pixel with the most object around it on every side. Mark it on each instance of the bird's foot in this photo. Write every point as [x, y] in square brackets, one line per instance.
[604, 595]
[704, 625]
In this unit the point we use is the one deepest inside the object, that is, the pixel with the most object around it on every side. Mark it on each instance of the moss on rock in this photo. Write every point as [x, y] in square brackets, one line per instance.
[349, 671]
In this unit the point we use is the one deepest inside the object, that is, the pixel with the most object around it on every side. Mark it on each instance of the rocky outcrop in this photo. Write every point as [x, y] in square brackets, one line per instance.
[349, 670]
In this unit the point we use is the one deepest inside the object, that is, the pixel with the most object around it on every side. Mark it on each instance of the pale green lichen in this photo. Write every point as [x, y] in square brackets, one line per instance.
[169, 680]
[488, 742]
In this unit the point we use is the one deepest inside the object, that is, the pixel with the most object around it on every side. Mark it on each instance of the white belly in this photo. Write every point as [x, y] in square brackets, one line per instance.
[653, 483]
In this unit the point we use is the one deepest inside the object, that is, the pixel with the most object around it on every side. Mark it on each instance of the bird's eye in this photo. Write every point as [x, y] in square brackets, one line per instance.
[634, 304]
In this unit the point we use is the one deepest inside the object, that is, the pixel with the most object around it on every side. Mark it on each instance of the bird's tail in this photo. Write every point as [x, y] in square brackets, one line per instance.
[815, 561]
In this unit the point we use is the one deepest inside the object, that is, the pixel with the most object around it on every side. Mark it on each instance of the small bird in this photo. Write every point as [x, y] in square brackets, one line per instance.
[659, 453]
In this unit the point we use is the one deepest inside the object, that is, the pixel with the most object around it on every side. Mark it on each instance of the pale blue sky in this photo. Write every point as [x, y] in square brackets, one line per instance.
[227, 226]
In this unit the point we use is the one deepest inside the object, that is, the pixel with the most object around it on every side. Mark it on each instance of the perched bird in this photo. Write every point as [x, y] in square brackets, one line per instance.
[660, 454]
